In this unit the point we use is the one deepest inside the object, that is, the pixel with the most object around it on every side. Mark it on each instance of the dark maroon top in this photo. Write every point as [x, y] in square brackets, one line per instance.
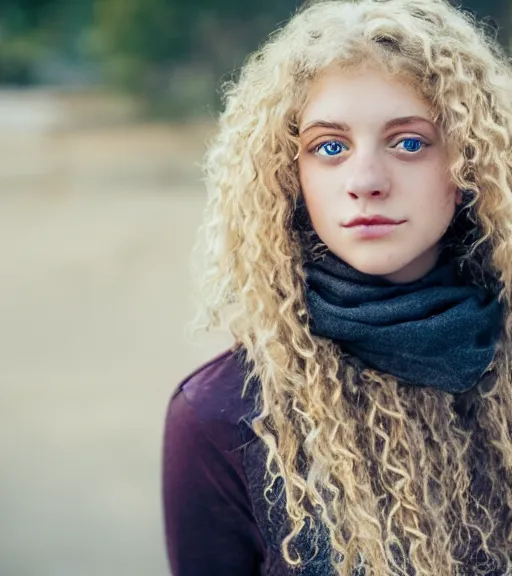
[216, 520]
[209, 521]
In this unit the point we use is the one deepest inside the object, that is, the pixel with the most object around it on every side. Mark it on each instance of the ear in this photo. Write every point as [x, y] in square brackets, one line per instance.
[458, 197]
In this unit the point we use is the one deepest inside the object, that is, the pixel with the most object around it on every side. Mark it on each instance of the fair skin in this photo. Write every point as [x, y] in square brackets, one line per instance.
[369, 147]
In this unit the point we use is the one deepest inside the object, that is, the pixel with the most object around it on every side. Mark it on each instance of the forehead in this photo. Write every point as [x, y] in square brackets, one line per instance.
[364, 95]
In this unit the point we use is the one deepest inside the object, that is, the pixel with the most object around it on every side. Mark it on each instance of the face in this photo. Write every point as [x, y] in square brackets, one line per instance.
[369, 149]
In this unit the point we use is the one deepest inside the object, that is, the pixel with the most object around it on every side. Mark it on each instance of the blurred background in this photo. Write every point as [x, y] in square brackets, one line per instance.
[105, 106]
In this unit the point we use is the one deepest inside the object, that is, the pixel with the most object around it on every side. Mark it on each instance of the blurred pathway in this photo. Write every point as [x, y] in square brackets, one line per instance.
[95, 231]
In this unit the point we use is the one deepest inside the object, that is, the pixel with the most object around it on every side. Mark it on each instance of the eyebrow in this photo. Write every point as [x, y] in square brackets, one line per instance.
[342, 127]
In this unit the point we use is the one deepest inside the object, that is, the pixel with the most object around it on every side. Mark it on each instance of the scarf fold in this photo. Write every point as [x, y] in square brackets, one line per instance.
[436, 331]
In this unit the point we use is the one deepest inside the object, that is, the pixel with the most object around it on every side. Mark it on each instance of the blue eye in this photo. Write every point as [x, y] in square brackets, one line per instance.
[331, 148]
[412, 144]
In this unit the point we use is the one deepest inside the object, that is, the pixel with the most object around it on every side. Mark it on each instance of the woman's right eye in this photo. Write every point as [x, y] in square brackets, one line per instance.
[331, 148]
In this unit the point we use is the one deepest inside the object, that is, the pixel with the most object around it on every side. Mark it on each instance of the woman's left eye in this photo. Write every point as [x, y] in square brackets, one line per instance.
[411, 144]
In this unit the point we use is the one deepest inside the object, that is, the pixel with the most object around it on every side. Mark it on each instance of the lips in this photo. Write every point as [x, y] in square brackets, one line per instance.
[371, 221]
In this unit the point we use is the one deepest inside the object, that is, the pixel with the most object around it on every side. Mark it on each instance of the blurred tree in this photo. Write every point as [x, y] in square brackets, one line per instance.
[497, 13]
[148, 45]
[166, 50]
[134, 36]
[22, 38]
[33, 31]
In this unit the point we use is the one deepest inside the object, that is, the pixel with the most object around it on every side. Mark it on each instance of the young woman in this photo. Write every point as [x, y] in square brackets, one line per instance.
[358, 244]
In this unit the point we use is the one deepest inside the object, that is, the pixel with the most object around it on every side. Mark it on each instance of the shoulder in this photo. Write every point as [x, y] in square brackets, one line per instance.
[210, 398]
[214, 390]
[204, 482]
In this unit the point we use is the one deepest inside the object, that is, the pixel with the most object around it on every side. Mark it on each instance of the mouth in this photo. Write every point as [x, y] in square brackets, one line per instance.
[371, 231]
[372, 221]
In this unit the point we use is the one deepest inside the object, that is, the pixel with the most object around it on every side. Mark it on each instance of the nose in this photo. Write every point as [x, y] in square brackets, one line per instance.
[367, 177]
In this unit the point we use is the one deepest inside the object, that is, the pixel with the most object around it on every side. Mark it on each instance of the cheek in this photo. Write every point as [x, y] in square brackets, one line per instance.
[311, 188]
[318, 185]
[435, 211]
[443, 190]
[447, 200]
[308, 176]
[436, 193]
[316, 207]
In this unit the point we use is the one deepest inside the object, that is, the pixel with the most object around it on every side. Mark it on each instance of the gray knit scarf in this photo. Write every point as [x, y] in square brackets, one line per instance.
[436, 331]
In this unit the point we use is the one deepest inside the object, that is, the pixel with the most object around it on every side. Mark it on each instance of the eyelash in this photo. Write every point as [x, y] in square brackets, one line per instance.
[318, 147]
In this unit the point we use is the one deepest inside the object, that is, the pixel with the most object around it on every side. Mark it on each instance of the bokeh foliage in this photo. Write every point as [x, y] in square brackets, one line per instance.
[164, 50]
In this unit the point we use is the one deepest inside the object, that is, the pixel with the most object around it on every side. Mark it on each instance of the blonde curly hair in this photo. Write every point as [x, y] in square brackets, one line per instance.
[404, 477]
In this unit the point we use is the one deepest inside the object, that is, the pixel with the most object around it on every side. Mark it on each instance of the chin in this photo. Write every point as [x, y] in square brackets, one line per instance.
[396, 271]
[375, 269]
[400, 273]
[396, 265]
[373, 265]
